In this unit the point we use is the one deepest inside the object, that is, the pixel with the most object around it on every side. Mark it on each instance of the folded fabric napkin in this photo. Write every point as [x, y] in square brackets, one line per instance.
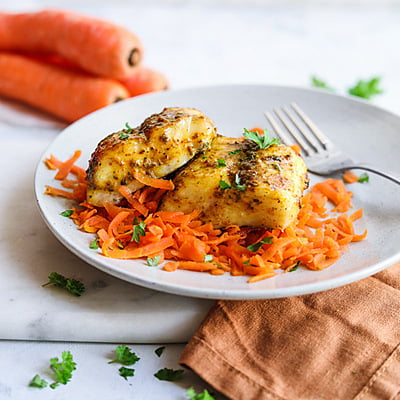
[341, 344]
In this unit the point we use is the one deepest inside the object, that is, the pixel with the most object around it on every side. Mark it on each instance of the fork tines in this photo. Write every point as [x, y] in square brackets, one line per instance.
[307, 135]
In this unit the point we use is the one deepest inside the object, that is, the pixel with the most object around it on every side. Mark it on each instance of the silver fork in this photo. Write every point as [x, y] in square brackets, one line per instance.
[321, 156]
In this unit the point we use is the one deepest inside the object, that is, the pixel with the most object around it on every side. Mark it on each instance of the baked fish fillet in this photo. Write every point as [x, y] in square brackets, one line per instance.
[236, 182]
[160, 145]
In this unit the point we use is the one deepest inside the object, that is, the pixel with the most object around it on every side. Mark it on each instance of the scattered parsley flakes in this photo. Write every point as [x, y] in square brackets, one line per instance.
[168, 374]
[125, 356]
[128, 128]
[316, 82]
[231, 153]
[38, 382]
[159, 351]
[363, 178]
[256, 246]
[221, 163]
[72, 285]
[263, 141]
[238, 186]
[224, 185]
[138, 231]
[123, 135]
[125, 372]
[208, 258]
[153, 262]
[366, 89]
[63, 369]
[205, 395]
[295, 267]
[94, 244]
[67, 213]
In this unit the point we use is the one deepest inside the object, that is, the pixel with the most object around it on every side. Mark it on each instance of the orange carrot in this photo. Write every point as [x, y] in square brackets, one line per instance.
[96, 46]
[316, 241]
[153, 182]
[350, 177]
[145, 80]
[66, 94]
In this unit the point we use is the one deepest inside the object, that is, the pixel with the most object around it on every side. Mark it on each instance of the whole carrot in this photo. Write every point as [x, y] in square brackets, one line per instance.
[62, 92]
[96, 46]
[145, 80]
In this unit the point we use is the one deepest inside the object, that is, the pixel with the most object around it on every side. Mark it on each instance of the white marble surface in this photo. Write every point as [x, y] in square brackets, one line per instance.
[195, 44]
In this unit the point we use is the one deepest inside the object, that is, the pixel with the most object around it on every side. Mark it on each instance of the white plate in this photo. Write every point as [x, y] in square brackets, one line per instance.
[367, 132]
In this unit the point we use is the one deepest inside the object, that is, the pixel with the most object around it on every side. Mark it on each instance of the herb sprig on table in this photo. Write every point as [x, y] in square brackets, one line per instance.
[71, 285]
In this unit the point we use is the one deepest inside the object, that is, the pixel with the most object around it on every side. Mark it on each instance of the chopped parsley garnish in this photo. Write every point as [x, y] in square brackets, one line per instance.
[231, 153]
[316, 82]
[237, 185]
[63, 369]
[125, 356]
[138, 231]
[67, 213]
[159, 350]
[366, 89]
[221, 163]
[125, 372]
[208, 258]
[363, 178]
[295, 266]
[263, 141]
[94, 244]
[123, 135]
[167, 374]
[256, 246]
[72, 285]
[153, 262]
[128, 128]
[224, 185]
[38, 382]
[205, 395]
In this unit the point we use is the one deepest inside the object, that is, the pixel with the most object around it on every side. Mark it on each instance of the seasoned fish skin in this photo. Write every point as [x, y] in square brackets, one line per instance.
[266, 185]
[160, 145]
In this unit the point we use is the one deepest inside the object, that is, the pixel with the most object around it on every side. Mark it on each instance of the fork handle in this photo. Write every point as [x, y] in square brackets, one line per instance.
[366, 167]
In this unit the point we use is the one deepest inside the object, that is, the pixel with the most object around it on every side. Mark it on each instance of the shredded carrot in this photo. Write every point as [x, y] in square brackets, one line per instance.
[350, 177]
[135, 229]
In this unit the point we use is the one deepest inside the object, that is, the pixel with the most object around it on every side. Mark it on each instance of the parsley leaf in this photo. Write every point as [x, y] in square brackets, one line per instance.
[159, 351]
[256, 246]
[238, 186]
[231, 153]
[224, 185]
[63, 369]
[363, 178]
[295, 266]
[128, 128]
[205, 395]
[67, 213]
[366, 89]
[263, 141]
[221, 163]
[125, 372]
[153, 262]
[316, 82]
[94, 244]
[125, 356]
[123, 135]
[138, 231]
[72, 285]
[38, 382]
[168, 374]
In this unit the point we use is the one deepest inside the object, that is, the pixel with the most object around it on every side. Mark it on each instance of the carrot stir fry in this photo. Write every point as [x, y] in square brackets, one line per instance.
[135, 229]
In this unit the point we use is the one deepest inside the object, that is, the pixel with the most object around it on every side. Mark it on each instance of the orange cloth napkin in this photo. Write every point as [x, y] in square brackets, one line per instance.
[342, 344]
